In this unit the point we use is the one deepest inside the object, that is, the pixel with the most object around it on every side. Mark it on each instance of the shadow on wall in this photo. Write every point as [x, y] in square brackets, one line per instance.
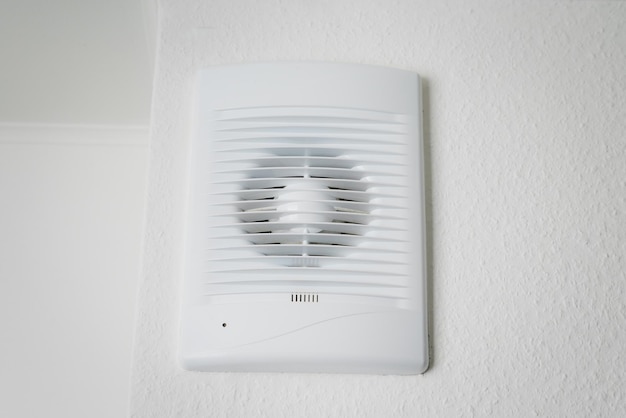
[428, 197]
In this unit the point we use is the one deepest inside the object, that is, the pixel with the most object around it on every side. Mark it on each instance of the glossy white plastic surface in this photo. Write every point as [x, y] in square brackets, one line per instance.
[305, 229]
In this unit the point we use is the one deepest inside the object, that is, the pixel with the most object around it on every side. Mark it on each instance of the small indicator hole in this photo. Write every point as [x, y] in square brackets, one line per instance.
[224, 324]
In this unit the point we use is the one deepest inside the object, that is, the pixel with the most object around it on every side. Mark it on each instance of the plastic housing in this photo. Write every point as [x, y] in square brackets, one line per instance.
[305, 246]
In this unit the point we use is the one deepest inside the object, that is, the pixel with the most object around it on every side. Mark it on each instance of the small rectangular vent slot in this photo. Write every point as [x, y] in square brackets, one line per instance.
[305, 297]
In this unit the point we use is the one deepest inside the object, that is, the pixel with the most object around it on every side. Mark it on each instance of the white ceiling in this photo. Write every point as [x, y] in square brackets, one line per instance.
[76, 61]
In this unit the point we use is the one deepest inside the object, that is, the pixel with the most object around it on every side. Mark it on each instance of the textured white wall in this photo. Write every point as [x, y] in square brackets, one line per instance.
[526, 147]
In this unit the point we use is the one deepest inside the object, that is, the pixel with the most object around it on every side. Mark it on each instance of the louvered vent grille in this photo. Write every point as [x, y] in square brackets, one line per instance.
[307, 199]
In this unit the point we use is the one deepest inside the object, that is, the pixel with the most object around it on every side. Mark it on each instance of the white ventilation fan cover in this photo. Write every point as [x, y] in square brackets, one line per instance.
[305, 227]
